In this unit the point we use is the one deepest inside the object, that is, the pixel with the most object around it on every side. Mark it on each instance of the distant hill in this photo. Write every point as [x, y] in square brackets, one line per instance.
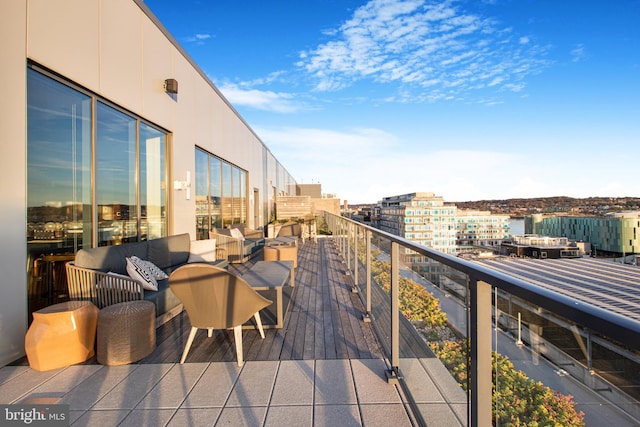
[559, 204]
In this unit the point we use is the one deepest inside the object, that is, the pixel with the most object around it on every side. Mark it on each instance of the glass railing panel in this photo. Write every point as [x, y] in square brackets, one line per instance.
[531, 357]
[577, 376]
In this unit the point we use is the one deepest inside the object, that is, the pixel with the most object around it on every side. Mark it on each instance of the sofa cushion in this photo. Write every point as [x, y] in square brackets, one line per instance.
[169, 251]
[110, 258]
[164, 299]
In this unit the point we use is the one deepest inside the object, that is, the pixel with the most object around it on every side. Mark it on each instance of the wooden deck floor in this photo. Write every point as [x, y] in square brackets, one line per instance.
[323, 320]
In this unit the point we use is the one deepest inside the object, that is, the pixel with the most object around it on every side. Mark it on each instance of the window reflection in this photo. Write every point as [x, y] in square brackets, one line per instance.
[115, 177]
[221, 193]
[153, 189]
[58, 184]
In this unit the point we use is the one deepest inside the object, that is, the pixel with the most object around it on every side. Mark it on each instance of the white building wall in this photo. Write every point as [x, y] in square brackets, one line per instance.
[115, 49]
[13, 259]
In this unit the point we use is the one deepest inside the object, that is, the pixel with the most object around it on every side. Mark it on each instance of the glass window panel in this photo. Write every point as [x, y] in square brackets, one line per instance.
[237, 201]
[58, 184]
[243, 197]
[202, 195]
[153, 188]
[215, 190]
[227, 195]
[115, 176]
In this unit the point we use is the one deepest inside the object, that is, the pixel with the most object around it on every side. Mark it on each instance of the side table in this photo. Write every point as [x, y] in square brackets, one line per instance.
[61, 334]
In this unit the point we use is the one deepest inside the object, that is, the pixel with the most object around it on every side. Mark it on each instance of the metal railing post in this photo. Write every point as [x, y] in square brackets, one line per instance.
[356, 261]
[393, 373]
[367, 315]
[349, 233]
[481, 363]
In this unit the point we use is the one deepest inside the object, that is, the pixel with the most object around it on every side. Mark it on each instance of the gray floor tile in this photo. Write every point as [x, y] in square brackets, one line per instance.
[147, 418]
[214, 386]
[101, 418]
[195, 417]
[8, 373]
[422, 388]
[336, 415]
[371, 383]
[439, 414]
[445, 382]
[384, 415]
[130, 391]
[249, 416]
[294, 383]
[95, 387]
[334, 382]
[69, 378]
[172, 389]
[279, 416]
[255, 384]
[20, 386]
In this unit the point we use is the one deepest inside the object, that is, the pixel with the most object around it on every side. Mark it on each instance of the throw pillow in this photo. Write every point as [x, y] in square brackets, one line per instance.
[158, 274]
[140, 273]
[202, 251]
[237, 234]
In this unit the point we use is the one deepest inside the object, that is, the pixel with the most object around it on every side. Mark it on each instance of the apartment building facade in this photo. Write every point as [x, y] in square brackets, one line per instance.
[480, 228]
[422, 218]
[112, 134]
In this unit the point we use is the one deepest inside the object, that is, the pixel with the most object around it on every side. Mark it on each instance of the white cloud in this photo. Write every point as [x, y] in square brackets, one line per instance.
[418, 43]
[364, 165]
[197, 38]
[262, 100]
[578, 53]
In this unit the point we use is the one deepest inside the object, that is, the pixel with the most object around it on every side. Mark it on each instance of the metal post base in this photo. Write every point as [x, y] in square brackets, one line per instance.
[392, 376]
[366, 317]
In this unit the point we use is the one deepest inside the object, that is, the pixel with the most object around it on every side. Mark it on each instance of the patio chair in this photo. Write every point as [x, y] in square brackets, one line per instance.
[216, 299]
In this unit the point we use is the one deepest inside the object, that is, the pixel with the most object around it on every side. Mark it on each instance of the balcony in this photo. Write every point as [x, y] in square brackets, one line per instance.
[346, 356]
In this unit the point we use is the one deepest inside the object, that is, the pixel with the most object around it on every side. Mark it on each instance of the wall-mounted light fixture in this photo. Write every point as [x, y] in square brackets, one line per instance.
[171, 86]
[184, 185]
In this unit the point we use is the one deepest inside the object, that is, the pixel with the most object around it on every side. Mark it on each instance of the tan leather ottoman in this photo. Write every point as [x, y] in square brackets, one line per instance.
[61, 335]
[126, 332]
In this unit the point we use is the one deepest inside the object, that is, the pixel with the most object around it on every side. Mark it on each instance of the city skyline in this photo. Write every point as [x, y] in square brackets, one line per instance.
[470, 100]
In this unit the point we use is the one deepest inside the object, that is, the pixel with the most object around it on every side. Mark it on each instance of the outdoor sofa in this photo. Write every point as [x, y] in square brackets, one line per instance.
[239, 242]
[104, 276]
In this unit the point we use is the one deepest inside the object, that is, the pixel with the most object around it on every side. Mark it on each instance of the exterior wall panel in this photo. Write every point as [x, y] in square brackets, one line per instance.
[121, 53]
[13, 290]
[65, 39]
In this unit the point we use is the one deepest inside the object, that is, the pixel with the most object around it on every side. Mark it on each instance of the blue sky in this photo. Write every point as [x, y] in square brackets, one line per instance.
[470, 100]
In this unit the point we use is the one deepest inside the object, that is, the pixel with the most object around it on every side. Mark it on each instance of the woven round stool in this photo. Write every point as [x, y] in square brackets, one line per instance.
[126, 332]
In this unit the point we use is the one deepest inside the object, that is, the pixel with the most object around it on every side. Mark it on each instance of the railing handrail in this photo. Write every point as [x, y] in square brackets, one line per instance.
[613, 325]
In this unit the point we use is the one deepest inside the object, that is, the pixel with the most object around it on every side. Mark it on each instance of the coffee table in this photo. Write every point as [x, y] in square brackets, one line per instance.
[270, 276]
